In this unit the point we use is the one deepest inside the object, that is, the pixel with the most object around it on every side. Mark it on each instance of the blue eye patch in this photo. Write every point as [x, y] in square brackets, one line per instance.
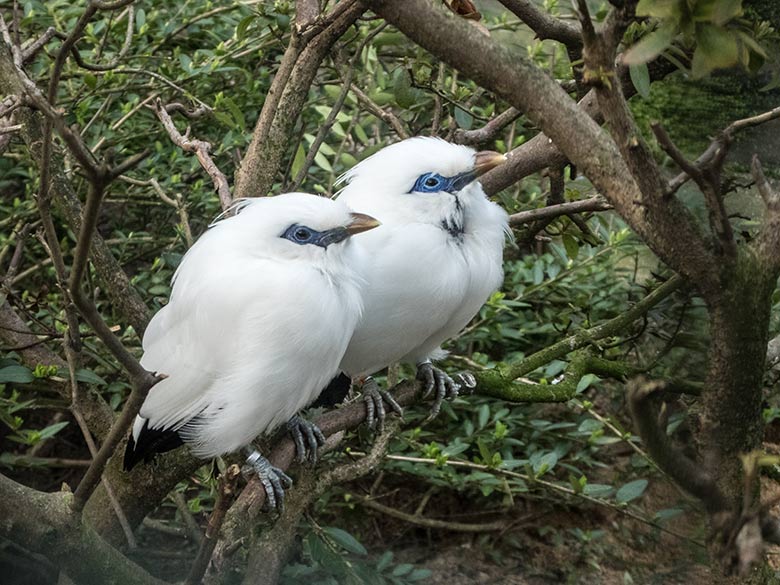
[435, 183]
[302, 235]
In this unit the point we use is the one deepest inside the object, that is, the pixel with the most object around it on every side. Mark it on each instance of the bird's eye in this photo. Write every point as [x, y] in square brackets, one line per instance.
[429, 183]
[300, 234]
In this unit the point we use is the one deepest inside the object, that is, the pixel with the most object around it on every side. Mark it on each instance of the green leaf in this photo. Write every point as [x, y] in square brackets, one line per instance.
[52, 430]
[464, 119]
[538, 272]
[419, 574]
[16, 374]
[667, 514]
[345, 540]
[640, 78]
[631, 491]
[297, 164]
[90, 80]
[402, 89]
[659, 8]
[384, 561]
[571, 246]
[718, 12]
[140, 18]
[322, 162]
[402, 569]
[89, 377]
[236, 112]
[483, 416]
[243, 26]
[586, 381]
[597, 490]
[716, 49]
[650, 45]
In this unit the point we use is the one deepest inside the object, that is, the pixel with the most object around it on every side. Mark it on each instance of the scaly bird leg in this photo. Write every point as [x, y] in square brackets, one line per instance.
[446, 387]
[375, 398]
[274, 480]
[308, 438]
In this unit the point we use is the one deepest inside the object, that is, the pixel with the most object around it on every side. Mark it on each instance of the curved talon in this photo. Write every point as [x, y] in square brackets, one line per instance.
[375, 398]
[308, 438]
[273, 480]
[446, 387]
[467, 380]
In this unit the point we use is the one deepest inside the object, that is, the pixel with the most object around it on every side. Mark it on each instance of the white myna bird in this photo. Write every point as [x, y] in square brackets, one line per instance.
[431, 265]
[261, 312]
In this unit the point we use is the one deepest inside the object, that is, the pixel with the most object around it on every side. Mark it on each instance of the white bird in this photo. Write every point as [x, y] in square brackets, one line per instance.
[261, 311]
[431, 265]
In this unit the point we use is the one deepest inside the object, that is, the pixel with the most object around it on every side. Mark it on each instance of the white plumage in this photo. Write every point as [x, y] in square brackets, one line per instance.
[256, 324]
[437, 256]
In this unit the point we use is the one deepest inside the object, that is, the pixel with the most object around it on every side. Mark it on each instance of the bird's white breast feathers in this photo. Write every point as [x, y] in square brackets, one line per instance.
[422, 285]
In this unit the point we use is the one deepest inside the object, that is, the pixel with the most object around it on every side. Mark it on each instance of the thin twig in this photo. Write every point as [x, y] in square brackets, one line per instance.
[322, 133]
[597, 203]
[226, 492]
[30, 50]
[201, 150]
[419, 520]
[386, 116]
[489, 131]
[119, 56]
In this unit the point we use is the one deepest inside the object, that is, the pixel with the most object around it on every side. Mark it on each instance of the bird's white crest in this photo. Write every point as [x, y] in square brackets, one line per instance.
[424, 283]
[255, 327]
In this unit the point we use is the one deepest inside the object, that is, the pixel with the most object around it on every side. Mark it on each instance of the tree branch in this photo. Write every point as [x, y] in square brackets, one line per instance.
[552, 211]
[286, 98]
[545, 25]
[201, 149]
[513, 77]
[489, 131]
[44, 523]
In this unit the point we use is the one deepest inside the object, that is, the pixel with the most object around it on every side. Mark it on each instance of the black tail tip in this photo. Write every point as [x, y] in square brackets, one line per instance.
[150, 442]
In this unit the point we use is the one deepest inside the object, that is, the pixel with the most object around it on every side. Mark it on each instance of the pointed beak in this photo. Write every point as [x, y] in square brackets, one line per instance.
[487, 160]
[361, 223]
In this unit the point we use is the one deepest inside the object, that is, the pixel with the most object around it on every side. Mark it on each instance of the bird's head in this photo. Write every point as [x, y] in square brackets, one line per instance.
[295, 226]
[419, 179]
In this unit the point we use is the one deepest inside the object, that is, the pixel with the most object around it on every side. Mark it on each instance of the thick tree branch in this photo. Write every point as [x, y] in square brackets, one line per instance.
[545, 25]
[286, 98]
[666, 228]
[43, 523]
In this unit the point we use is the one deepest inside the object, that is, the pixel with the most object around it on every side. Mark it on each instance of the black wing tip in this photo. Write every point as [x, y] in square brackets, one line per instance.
[150, 442]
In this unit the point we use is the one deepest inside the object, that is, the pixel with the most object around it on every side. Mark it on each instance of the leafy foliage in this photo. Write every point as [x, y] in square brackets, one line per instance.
[480, 457]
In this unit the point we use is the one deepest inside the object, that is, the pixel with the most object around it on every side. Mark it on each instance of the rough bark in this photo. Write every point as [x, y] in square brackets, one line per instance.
[272, 134]
[43, 523]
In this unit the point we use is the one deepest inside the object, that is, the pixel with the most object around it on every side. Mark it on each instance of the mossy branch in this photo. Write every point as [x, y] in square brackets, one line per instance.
[501, 382]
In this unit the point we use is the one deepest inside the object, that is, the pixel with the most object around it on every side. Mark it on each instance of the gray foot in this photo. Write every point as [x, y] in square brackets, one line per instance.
[308, 438]
[274, 480]
[435, 379]
[375, 398]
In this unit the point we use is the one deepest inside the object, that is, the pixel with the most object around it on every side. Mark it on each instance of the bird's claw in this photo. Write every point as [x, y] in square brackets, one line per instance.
[273, 479]
[446, 388]
[375, 398]
[467, 381]
[308, 438]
